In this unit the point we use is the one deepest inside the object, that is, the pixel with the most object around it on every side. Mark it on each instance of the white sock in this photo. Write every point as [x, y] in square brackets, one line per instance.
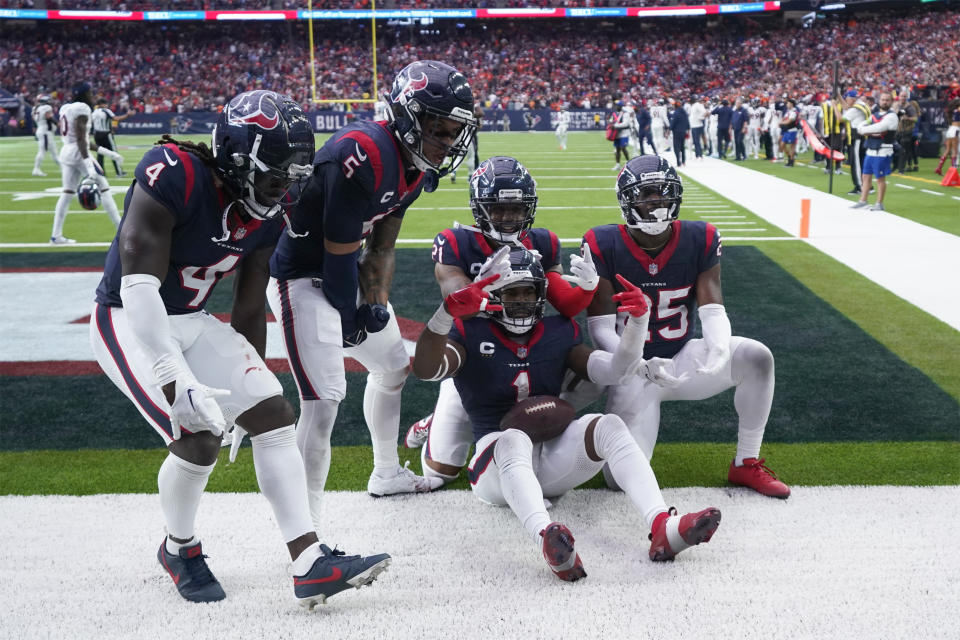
[629, 466]
[107, 200]
[513, 454]
[313, 440]
[430, 472]
[753, 366]
[181, 484]
[282, 480]
[381, 410]
[60, 214]
[173, 548]
[306, 559]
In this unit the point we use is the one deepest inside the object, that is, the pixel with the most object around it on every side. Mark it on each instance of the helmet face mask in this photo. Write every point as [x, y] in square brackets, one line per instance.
[431, 110]
[503, 199]
[650, 193]
[523, 294]
[263, 144]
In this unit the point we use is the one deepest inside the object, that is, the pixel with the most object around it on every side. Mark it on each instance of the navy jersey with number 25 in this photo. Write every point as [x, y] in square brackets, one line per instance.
[498, 372]
[668, 280]
[209, 237]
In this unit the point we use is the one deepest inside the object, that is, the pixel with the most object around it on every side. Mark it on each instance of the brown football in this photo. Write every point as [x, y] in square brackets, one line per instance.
[540, 417]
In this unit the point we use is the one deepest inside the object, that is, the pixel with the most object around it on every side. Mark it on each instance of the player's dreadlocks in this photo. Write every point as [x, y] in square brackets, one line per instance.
[199, 149]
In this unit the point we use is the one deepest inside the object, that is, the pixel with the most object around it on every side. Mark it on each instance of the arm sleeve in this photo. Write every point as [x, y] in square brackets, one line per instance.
[566, 298]
[603, 331]
[147, 318]
[715, 325]
[712, 249]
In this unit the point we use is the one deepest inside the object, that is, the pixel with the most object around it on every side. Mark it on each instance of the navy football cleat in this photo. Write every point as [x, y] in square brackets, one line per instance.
[190, 573]
[334, 572]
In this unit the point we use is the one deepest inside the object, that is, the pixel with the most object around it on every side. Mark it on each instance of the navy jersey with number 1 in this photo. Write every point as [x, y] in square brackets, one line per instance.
[498, 371]
[469, 249]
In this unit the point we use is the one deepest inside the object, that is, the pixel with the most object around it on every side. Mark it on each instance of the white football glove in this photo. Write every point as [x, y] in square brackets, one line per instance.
[657, 371]
[582, 270]
[90, 167]
[497, 264]
[195, 409]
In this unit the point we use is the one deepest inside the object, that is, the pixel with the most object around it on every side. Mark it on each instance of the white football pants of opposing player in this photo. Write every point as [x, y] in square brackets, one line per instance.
[509, 469]
[72, 170]
[313, 342]
[218, 356]
[750, 369]
[46, 143]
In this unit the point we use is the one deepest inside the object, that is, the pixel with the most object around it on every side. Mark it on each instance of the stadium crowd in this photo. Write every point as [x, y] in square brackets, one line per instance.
[255, 5]
[511, 64]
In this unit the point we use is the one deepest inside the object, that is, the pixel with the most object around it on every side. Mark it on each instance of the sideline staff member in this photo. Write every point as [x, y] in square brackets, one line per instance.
[102, 120]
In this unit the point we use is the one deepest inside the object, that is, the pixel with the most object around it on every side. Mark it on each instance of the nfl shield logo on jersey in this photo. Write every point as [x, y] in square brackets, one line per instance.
[653, 268]
[521, 352]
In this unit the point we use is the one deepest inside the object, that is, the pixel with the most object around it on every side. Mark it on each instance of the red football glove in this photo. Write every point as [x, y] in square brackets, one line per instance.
[471, 300]
[632, 300]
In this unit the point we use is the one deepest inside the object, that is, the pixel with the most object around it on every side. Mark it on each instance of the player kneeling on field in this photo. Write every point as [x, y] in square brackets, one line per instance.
[510, 352]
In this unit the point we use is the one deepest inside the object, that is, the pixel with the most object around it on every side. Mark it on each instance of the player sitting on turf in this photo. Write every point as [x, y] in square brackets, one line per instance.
[677, 264]
[511, 352]
[503, 198]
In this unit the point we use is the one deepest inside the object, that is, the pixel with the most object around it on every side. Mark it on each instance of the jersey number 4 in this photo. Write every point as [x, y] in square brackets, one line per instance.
[202, 279]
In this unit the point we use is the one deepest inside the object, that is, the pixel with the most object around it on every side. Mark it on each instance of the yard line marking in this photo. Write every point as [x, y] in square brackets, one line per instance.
[903, 186]
[933, 193]
[721, 217]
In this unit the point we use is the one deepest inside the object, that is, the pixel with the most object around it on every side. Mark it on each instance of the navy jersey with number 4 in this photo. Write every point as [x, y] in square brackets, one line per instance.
[208, 240]
[358, 179]
[469, 249]
[668, 280]
[498, 372]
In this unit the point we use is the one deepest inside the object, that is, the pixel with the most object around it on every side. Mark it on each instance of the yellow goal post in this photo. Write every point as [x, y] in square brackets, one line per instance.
[313, 69]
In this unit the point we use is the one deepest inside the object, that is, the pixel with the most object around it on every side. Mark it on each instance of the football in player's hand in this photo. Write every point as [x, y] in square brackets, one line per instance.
[540, 417]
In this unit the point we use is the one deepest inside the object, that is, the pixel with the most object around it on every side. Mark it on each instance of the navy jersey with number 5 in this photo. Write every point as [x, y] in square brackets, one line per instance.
[358, 179]
[498, 372]
[469, 249]
[209, 238]
[668, 280]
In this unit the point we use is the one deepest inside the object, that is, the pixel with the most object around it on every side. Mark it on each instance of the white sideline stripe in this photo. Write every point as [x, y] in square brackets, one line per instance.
[721, 217]
[564, 241]
[933, 193]
[853, 545]
[903, 186]
[863, 242]
[955, 197]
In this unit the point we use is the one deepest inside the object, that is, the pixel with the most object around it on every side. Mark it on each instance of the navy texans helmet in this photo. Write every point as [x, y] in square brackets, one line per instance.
[424, 95]
[82, 92]
[89, 194]
[650, 193]
[519, 316]
[263, 143]
[503, 199]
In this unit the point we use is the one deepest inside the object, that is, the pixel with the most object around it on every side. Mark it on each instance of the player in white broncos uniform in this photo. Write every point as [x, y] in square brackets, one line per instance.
[76, 161]
[563, 123]
[757, 113]
[46, 123]
[660, 126]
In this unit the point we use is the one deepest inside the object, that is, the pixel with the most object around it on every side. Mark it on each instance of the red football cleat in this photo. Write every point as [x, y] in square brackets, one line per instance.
[671, 534]
[759, 477]
[559, 553]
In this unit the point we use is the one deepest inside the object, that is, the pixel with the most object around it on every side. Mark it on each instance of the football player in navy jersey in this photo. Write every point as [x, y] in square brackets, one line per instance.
[333, 298]
[511, 352]
[503, 199]
[193, 215]
[677, 265]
